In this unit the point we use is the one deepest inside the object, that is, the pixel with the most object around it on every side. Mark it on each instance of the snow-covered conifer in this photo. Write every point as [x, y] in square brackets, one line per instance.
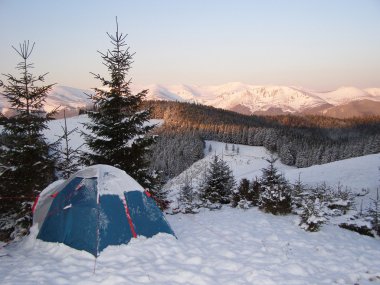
[25, 156]
[275, 194]
[374, 213]
[219, 183]
[312, 214]
[68, 161]
[118, 125]
[186, 197]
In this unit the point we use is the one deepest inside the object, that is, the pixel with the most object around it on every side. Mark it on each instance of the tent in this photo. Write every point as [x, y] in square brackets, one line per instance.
[98, 206]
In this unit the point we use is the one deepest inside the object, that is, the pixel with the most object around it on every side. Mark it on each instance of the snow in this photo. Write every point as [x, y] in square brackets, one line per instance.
[254, 97]
[354, 173]
[344, 95]
[229, 246]
[111, 180]
[69, 97]
[260, 98]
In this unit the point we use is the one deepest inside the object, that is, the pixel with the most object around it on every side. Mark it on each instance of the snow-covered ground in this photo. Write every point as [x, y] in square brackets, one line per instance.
[354, 173]
[228, 246]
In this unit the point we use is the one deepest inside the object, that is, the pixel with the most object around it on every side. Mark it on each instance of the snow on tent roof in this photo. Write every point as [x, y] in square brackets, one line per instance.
[97, 207]
[111, 180]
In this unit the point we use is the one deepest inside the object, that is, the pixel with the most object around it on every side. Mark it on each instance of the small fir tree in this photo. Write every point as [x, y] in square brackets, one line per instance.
[275, 195]
[374, 213]
[68, 162]
[25, 155]
[186, 197]
[219, 183]
[159, 194]
[312, 214]
[256, 191]
[209, 148]
[119, 133]
[244, 192]
[298, 194]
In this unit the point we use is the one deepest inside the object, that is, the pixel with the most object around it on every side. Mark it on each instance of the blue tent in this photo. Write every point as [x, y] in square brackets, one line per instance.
[98, 206]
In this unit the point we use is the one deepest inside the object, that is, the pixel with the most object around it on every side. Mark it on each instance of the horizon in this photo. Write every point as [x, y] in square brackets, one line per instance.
[318, 45]
[303, 88]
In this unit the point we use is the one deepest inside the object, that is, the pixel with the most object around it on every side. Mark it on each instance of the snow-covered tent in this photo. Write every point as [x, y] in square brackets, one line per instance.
[98, 206]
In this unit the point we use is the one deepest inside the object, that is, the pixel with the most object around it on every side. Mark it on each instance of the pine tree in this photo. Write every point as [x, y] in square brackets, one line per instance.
[25, 155]
[374, 213]
[312, 214]
[118, 124]
[298, 194]
[186, 197]
[68, 162]
[244, 190]
[275, 197]
[219, 183]
[256, 191]
[159, 194]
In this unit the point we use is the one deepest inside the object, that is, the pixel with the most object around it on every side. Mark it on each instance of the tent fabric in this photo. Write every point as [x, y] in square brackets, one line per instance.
[44, 200]
[88, 211]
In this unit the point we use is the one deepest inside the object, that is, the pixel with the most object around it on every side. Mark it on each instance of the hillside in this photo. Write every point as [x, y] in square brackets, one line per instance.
[299, 141]
[354, 173]
[229, 246]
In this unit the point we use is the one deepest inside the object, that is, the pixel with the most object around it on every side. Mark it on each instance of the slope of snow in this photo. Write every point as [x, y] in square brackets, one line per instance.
[344, 95]
[60, 96]
[230, 246]
[261, 98]
[68, 97]
[374, 92]
[355, 173]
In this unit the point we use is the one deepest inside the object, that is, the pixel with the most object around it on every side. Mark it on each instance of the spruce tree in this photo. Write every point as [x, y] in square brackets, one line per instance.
[186, 197]
[118, 124]
[244, 191]
[25, 155]
[275, 195]
[219, 183]
[69, 157]
[374, 212]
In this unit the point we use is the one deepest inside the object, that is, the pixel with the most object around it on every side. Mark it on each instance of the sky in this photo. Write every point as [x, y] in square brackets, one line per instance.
[316, 44]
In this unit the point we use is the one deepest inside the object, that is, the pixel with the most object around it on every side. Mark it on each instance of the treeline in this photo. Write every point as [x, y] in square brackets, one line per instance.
[174, 152]
[299, 141]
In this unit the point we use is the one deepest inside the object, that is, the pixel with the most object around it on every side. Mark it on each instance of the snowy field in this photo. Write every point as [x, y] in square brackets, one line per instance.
[229, 246]
[354, 173]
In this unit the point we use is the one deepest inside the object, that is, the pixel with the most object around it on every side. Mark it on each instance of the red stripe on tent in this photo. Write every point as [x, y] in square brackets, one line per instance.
[129, 218]
[147, 193]
[35, 203]
[54, 195]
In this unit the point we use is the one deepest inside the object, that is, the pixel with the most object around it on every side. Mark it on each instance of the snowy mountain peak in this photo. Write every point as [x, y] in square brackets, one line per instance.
[344, 95]
[237, 96]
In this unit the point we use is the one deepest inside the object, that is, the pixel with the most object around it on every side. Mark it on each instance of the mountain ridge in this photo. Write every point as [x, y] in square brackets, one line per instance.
[240, 97]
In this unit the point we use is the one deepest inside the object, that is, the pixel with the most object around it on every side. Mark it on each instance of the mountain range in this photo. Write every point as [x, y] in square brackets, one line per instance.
[243, 98]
